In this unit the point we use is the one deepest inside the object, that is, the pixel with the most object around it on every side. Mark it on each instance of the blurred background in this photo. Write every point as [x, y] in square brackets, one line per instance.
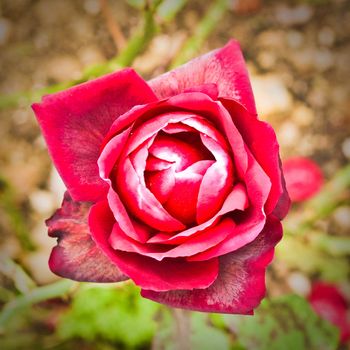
[297, 52]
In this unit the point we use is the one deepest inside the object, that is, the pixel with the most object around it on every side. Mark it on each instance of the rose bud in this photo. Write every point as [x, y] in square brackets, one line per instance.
[303, 177]
[173, 183]
[329, 303]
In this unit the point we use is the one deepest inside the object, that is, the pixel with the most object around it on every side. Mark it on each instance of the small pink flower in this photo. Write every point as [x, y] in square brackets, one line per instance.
[304, 178]
[329, 303]
[173, 183]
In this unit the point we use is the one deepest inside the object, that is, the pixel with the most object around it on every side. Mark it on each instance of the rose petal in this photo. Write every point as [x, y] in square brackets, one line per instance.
[76, 256]
[261, 140]
[224, 67]
[252, 222]
[216, 184]
[141, 201]
[182, 201]
[240, 285]
[161, 183]
[209, 89]
[128, 225]
[169, 274]
[75, 121]
[204, 240]
[304, 178]
[236, 200]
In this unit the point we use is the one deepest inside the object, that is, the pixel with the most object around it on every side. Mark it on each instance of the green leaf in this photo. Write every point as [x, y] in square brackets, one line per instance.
[286, 323]
[118, 314]
[206, 337]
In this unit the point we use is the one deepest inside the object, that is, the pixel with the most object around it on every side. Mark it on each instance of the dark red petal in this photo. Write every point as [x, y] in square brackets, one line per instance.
[258, 188]
[261, 140]
[240, 285]
[161, 183]
[329, 303]
[224, 67]
[169, 274]
[209, 89]
[236, 200]
[304, 178]
[75, 121]
[182, 201]
[76, 256]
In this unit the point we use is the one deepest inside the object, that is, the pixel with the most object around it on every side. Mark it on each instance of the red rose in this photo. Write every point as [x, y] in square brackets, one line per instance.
[177, 181]
[329, 303]
[304, 178]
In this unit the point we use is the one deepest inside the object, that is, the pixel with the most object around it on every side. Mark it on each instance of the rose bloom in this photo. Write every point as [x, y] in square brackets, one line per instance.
[330, 304]
[173, 183]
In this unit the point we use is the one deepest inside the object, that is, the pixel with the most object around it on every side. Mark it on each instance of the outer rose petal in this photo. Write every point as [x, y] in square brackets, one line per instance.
[261, 140]
[169, 274]
[224, 67]
[240, 285]
[76, 256]
[74, 123]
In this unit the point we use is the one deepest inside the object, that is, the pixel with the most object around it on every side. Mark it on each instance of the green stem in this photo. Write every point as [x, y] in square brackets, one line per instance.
[203, 29]
[54, 290]
[135, 45]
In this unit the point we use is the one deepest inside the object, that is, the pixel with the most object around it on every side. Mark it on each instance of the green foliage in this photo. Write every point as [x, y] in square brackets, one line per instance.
[116, 314]
[286, 323]
[310, 259]
[206, 337]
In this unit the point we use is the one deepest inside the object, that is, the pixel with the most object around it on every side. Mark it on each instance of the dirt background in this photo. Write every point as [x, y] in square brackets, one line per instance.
[297, 54]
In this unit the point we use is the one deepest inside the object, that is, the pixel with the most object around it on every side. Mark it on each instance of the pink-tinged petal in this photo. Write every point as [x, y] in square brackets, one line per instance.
[217, 182]
[236, 200]
[329, 303]
[161, 183]
[111, 152]
[75, 121]
[218, 116]
[253, 220]
[304, 178]
[152, 126]
[224, 67]
[141, 202]
[168, 274]
[156, 164]
[240, 286]
[130, 227]
[76, 255]
[205, 127]
[182, 201]
[206, 239]
[175, 150]
[261, 140]
[176, 128]
[209, 89]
